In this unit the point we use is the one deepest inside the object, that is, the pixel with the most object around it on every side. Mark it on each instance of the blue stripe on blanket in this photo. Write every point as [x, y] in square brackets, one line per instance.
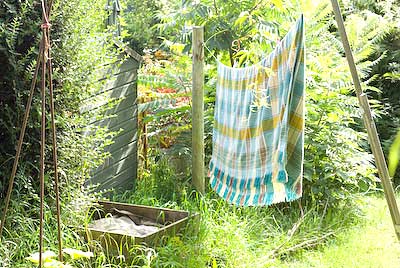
[258, 135]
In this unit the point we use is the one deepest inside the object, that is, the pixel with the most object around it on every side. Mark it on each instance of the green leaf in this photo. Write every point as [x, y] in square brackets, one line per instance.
[47, 256]
[394, 155]
[214, 263]
[278, 4]
[76, 254]
[242, 18]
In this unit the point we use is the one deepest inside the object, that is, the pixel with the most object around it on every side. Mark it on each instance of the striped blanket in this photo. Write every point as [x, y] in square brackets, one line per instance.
[258, 134]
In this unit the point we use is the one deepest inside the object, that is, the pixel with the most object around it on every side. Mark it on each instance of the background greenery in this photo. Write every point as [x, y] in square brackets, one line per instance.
[338, 162]
[81, 47]
[338, 165]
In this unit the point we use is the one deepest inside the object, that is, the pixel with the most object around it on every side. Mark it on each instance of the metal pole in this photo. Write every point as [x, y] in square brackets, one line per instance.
[42, 147]
[43, 56]
[54, 134]
[198, 109]
[369, 124]
[55, 159]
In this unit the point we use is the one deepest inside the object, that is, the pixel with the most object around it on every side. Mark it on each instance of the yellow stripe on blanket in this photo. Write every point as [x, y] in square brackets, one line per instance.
[258, 135]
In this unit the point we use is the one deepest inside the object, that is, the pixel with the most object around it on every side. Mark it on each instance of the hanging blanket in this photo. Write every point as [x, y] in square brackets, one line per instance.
[258, 134]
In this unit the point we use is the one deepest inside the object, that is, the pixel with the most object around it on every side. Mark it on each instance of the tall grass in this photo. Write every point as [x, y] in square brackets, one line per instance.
[227, 236]
[230, 236]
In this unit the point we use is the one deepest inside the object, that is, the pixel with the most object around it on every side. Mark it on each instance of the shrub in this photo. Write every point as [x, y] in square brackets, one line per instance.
[138, 18]
[81, 48]
[338, 164]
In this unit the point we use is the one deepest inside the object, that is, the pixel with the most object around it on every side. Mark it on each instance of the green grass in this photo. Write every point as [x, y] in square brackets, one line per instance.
[270, 237]
[248, 238]
[370, 244]
[230, 236]
[233, 237]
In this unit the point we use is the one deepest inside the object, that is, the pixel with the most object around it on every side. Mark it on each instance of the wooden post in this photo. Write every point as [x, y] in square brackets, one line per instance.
[369, 124]
[197, 109]
[144, 135]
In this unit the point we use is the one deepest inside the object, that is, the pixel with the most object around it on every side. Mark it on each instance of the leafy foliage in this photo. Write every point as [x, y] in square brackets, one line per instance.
[16, 62]
[337, 165]
[394, 155]
[138, 19]
[231, 28]
[382, 19]
[81, 47]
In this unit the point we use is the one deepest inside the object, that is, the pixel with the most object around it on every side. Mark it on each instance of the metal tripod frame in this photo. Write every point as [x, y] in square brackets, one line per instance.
[44, 65]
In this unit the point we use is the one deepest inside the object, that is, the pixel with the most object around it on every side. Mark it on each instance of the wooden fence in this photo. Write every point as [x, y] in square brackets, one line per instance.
[119, 171]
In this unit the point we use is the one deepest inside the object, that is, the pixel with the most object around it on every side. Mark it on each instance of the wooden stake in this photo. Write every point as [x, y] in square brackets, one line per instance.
[369, 124]
[197, 109]
[145, 146]
[44, 60]
[42, 149]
